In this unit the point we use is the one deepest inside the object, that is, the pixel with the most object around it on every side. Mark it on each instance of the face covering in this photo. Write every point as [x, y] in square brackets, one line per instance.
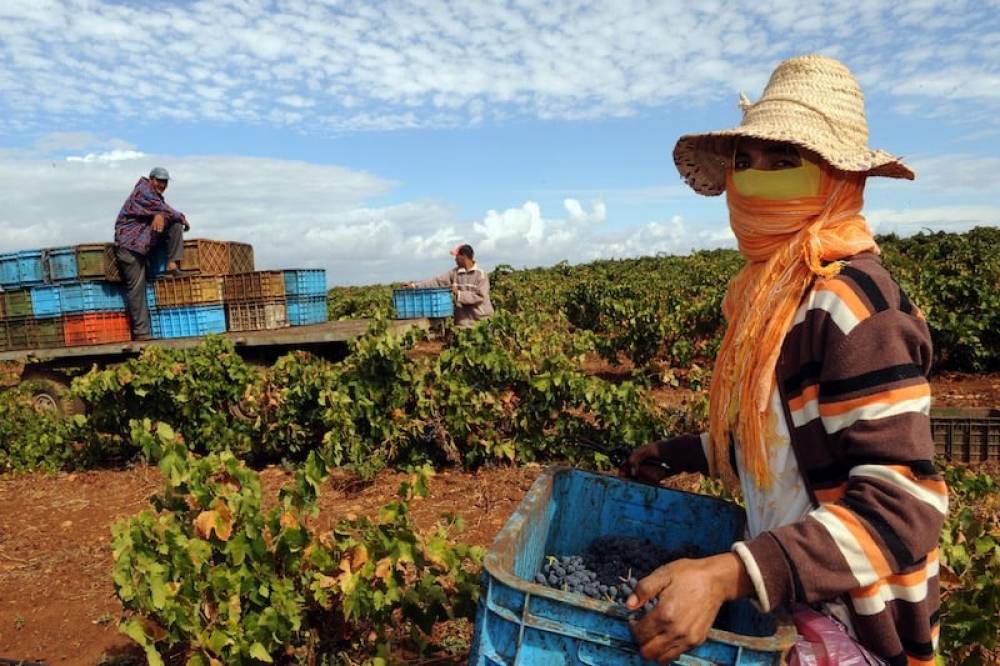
[795, 183]
[789, 243]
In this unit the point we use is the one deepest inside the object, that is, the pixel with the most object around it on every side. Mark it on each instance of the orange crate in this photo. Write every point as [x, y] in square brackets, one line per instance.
[240, 257]
[189, 290]
[95, 328]
[256, 316]
[262, 285]
[208, 257]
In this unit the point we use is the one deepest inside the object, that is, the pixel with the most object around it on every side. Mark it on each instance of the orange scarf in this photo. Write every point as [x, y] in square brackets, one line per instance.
[787, 243]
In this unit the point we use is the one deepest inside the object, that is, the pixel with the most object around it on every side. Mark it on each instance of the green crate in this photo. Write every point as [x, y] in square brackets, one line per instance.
[31, 333]
[17, 303]
[96, 261]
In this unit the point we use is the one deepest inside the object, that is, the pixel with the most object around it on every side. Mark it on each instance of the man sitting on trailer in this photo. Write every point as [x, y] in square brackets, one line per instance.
[470, 287]
[144, 222]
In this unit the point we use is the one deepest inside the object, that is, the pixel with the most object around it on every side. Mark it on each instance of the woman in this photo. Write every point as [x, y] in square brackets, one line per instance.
[819, 399]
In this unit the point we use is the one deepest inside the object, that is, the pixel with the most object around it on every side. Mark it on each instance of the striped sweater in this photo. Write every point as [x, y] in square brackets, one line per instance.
[852, 376]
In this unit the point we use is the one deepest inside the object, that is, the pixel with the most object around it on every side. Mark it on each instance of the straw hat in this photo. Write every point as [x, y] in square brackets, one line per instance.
[811, 101]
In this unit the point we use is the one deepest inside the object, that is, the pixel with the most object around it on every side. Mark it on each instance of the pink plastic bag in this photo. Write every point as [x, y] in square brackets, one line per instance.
[823, 642]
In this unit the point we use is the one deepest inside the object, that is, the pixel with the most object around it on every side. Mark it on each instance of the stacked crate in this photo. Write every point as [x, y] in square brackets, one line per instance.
[74, 296]
[48, 303]
[255, 301]
[187, 306]
[197, 304]
[305, 295]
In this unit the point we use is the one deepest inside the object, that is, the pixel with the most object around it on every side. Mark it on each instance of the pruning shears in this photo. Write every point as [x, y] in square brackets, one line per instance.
[620, 458]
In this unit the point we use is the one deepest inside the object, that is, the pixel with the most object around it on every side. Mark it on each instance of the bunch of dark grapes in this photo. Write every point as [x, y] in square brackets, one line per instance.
[609, 569]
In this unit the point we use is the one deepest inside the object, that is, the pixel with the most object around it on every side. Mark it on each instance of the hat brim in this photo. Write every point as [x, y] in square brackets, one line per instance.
[702, 159]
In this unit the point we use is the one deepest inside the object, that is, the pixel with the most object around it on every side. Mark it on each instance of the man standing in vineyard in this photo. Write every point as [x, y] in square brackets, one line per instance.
[145, 221]
[470, 287]
[819, 399]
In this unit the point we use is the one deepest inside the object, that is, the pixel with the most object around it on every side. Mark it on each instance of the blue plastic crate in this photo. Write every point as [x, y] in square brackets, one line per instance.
[415, 303]
[521, 623]
[305, 282]
[62, 264]
[188, 321]
[31, 267]
[150, 296]
[9, 278]
[45, 302]
[303, 310]
[155, 327]
[97, 296]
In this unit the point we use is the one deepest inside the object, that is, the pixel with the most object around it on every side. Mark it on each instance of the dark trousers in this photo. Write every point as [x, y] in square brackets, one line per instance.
[134, 267]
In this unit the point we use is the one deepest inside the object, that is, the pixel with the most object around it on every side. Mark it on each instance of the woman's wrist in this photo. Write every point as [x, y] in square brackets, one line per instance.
[732, 576]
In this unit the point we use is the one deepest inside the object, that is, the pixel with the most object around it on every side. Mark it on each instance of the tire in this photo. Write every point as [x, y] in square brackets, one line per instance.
[50, 392]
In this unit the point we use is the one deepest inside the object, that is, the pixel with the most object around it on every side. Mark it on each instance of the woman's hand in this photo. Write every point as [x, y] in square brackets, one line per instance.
[635, 469]
[689, 594]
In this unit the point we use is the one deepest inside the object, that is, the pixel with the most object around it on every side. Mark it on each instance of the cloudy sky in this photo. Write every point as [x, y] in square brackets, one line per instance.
[369, 137]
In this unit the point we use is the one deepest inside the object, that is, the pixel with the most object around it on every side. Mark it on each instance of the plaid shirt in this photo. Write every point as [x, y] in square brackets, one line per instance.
[133, 228]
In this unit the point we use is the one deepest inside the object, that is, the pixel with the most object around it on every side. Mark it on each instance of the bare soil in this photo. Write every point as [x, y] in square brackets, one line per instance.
[57, 601]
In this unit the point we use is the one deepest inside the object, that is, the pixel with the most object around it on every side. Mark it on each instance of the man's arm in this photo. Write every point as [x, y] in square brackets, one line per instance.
[443, 280]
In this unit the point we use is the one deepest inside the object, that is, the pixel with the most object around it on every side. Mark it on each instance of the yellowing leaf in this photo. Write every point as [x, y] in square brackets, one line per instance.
[383, 569]
[355, 559]
[288, 520]
[220, 520]
[359, 555]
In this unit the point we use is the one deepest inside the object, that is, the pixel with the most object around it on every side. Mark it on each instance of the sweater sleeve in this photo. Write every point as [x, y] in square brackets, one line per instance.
[443, 280]
[685, 453]
[886, 518]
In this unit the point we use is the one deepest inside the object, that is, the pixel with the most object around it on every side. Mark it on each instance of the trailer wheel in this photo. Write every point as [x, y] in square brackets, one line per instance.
[50, 392]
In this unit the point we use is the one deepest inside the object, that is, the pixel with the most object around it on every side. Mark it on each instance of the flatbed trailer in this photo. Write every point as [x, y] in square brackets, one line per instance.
[49, 371]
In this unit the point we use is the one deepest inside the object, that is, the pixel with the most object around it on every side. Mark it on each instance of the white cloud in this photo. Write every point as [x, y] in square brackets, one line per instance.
[959, 173]
[110, 156]
[357, 66]
[907, 221]
[298, 214]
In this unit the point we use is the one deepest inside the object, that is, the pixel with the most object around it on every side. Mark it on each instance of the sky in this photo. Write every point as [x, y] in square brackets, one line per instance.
[368, 138]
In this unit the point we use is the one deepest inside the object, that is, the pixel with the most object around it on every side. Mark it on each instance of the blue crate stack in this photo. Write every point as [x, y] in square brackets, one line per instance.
[305, 296]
